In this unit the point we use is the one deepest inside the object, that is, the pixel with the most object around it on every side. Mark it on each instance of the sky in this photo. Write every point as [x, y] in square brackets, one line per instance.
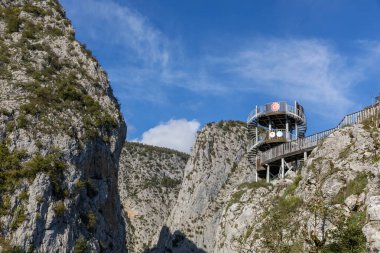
[176, 65]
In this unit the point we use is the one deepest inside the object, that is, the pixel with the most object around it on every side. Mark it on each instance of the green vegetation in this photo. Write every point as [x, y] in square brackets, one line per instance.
[59, 208]
[254, 185]
[55, 88]
[18, 217]
[278, 219]
[345, 152]
[166, 182]
[80, 184]
[7, 247]
[229, 124]
[169, 182]
[355, 186]
[5, 204]
[348, 237]
[91, 220]
[80, 245]
[12, 168]
[146, 150]
[23, 196]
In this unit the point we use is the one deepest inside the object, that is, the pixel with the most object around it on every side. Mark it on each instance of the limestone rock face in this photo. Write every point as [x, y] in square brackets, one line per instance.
[216, 167]
[330, 204]
[149, 182]
[335, 192]
[61, 134]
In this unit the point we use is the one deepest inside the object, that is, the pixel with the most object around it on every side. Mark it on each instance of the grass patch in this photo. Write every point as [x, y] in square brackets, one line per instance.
[254, 185]
[345, 152]
[59, 208]
[348, 237]
[80, 245]
[18, 217]
[355, 186]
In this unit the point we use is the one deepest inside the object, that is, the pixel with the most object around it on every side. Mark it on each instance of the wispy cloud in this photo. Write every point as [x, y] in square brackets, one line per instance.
[310, 70]
[177, 134]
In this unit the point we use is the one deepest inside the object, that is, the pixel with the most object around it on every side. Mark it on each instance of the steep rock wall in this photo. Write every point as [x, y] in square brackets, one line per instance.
[149, 181]
[216, 166]
[61, 134]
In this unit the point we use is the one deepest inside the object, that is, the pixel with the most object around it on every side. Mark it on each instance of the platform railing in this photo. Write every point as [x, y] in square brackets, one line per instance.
[310, 142]
[265, 137]
[284, 107]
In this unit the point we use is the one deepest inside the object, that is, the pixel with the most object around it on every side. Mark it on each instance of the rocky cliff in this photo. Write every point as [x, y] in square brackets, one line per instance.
[61, 134]
[149, 181]
[217, 165]
[331, 204]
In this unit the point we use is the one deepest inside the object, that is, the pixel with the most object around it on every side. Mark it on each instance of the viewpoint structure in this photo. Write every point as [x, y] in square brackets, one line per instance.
[277, 136]
[270, 126]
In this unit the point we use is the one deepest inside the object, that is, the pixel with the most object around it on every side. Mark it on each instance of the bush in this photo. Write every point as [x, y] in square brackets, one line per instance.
[348, 237]
[23, 195]
[19, 217]
[277, 219]
[169, 182]
[22, 121]
[91, 220]
[59, 208]
[355, 186]
[13, 19]
[80, 245]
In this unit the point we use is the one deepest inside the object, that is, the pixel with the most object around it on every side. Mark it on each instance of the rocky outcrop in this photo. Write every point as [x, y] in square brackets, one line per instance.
[61, 134]
[329, 205]
[149, 181]
[326, 207]
[216, 167]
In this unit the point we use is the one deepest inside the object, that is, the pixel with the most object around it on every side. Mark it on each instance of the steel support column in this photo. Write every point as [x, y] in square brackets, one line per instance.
[282, 168]
[268, 173]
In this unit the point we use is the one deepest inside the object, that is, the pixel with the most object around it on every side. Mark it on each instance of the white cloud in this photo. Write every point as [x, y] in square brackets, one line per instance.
[112, 23]
[307, 70]
[177, 134]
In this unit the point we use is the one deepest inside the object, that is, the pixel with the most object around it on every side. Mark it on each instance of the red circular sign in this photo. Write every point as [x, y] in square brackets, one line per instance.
[275, 107]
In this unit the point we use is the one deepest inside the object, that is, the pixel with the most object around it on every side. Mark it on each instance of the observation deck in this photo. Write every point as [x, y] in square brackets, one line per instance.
[277, 136]
[273, 124]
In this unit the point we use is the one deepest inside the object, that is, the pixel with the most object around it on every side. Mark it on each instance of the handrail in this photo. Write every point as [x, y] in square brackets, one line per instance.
[313, 140]
[265, 137]
[284, 107]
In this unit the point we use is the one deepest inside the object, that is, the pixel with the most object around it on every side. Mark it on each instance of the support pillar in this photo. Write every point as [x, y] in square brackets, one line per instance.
[256, 176]
[268, 173]
[287, 130]
[282, 168]
[305, 156]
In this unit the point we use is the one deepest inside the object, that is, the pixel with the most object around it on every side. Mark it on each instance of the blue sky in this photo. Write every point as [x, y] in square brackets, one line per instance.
[176, 65]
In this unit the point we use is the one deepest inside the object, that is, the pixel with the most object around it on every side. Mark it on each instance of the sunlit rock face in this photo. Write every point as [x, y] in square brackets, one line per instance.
[330, 204]
[61, 134]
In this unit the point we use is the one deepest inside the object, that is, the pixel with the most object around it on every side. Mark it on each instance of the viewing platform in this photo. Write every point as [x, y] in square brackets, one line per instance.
[277, 136]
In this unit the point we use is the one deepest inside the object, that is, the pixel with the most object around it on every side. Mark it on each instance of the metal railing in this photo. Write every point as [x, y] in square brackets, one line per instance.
[279, 135]
[310, 142]
[284, 107]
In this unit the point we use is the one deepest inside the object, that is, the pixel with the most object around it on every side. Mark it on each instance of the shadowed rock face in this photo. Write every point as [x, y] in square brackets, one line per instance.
[61, 134]
[174, 243]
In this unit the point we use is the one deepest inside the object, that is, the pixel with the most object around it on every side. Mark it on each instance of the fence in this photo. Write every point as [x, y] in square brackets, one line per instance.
[308, 143]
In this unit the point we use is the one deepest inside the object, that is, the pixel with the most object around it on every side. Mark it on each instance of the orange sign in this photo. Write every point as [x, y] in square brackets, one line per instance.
[275, 107]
